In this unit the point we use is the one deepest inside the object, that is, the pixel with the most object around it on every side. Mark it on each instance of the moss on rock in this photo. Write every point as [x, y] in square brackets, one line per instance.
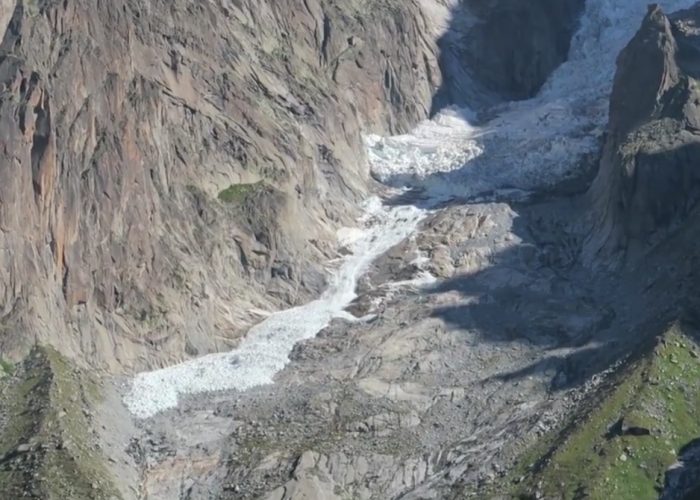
[623, 446]
[236, 193]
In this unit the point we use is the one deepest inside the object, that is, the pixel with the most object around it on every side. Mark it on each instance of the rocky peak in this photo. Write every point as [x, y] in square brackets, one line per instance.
[648, 179]
[647, 69]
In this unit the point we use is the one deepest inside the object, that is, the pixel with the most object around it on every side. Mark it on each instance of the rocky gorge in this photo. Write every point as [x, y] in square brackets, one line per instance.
[363, 249]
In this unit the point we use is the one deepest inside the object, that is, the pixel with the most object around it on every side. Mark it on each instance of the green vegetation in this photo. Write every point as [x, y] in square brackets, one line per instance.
[46, 445]
[153, 315]
[6, 368]
[281, 52]
[658, 394]
[237, 193]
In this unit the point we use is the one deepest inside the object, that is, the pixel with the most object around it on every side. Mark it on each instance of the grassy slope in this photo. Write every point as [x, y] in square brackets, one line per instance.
[659, 391]
[46, 408]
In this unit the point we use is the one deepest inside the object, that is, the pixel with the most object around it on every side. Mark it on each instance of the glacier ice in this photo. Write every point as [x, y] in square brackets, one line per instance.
[526, 146]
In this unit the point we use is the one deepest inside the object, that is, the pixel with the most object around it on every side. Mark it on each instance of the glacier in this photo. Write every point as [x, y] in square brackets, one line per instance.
[526, 146]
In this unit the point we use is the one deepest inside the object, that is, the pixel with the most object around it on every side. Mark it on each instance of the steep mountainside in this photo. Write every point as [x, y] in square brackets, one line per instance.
[649, 178]
[171, 171]
[636, 436]
[167, 168]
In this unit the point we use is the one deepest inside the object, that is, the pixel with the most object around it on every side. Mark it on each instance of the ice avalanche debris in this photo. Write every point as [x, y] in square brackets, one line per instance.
[265, 350]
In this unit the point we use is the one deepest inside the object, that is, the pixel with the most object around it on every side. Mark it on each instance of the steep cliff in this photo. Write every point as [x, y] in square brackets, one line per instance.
[504, 49]
[648, 180]
[168, 168]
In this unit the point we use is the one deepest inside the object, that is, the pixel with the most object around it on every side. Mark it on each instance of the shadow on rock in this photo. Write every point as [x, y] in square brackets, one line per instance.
[481, 66]
[537, 293]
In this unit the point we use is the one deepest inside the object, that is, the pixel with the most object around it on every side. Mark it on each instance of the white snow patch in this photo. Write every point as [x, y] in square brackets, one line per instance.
[422, 279]
[443, 144]
[264, 351]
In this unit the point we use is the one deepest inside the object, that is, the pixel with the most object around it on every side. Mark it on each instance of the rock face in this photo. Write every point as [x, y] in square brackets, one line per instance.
[649, 179]
[481, 64]
[159, 158]
[121, 122]
[682, 480]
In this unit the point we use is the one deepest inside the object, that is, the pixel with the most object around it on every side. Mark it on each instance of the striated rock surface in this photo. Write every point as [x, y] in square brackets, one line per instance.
[167, 169]
[648, 180]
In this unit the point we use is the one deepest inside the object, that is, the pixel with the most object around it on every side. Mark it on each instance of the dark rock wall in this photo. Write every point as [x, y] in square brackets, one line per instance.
[504, 49]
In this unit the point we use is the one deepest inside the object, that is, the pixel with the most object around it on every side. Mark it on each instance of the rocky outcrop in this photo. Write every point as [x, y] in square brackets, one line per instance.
[122, 121]
[682, 479]
[504, 49]
[649, 179]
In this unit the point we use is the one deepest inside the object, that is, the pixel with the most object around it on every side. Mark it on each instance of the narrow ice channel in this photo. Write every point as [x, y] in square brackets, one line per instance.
[528, 145]
[265, 350]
